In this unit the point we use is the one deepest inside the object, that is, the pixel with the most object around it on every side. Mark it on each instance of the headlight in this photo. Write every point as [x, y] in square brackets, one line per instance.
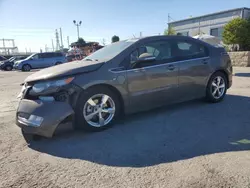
[51, 85]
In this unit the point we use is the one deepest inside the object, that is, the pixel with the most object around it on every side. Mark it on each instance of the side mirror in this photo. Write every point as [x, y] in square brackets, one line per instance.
[145, 57]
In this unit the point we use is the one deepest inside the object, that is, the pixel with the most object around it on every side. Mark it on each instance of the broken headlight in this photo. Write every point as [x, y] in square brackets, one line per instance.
[50, 86]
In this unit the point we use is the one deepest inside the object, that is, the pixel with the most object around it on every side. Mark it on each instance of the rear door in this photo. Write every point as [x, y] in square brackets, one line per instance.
[48, 59]
[37, 61]
[194, 68]
[59, 58]
[152, 83]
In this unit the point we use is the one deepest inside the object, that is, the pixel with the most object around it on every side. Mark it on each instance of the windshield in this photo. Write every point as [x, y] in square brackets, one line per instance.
[11, 59]
[29, 57]
[110, 51]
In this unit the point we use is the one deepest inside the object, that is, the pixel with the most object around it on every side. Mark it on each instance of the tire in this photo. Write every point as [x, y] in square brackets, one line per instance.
[84, 109]
[30, 137]
[8, 68]
[26, 68]
[216, 96]
[58, 63]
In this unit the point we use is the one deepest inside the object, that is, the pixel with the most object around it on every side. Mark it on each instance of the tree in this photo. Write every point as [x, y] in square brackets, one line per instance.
[169, 31]
[115, 39]
[81, 41]
[237, 31]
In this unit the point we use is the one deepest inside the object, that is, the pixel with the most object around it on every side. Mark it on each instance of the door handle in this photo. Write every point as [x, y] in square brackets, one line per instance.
[171, 67]
[205, 61]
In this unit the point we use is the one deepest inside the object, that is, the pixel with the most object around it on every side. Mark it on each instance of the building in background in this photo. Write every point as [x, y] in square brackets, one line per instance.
[211, 24]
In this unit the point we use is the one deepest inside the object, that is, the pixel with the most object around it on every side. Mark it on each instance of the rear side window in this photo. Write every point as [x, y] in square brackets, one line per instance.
[184, 50]
[44, 55]
[58, 54]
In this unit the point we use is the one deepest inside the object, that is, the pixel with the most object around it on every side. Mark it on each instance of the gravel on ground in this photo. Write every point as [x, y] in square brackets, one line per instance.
[193, 144]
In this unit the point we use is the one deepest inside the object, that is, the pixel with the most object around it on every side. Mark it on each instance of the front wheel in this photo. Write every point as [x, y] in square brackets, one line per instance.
[26, 68]
[217, 87]
[97, 108]
[58, 63]
[8, 68]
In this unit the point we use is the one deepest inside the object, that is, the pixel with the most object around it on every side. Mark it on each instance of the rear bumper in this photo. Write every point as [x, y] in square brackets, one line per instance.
[51, 113]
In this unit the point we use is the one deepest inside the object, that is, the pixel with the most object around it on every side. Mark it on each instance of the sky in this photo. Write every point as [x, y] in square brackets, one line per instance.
[32, 23]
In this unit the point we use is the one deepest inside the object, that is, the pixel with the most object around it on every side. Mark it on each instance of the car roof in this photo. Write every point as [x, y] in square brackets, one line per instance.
[176, 37]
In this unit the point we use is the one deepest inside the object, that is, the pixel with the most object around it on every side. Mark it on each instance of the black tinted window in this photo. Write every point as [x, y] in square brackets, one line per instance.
[188, 50]
[161, 50]
[58, 54]
[44, 55]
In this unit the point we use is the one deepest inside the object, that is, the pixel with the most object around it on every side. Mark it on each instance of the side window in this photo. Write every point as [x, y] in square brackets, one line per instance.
[185, 50]
[58, 54]
[50, 55]
[37, 56]
[43, 55]
[161, 50]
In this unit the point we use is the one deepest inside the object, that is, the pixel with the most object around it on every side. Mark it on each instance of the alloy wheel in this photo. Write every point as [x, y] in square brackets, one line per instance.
[8, 68]
[26, 67]
[99, 110]
[218, 87]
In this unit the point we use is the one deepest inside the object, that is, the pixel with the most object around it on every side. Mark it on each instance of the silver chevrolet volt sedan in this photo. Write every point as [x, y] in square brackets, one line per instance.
[121, 78]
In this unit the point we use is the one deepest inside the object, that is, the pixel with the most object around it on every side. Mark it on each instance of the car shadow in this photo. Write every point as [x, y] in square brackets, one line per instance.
[163, 135]
[242, 74]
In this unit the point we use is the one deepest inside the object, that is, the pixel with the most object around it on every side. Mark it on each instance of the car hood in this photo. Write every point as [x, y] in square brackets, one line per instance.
[65, 69]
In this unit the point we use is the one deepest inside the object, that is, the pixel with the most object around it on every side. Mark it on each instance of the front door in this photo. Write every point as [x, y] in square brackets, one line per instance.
[152, 83]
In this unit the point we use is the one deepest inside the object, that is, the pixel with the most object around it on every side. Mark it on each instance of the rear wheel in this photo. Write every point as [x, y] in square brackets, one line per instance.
[58, 63]
[8, 68]
[217, 87]
[26, 67]
[97, 108]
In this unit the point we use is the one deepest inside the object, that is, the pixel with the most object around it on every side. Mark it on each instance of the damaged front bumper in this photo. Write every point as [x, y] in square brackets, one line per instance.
[42, 114]
[41, 117]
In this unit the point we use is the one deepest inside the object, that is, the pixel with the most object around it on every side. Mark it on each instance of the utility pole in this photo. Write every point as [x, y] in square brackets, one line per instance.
[68, 40]
[103, 42]
[26, 50]
[61, 38]
[77, 26]
[52, 45]
[140, 34]
[46, 48]
[57, 41]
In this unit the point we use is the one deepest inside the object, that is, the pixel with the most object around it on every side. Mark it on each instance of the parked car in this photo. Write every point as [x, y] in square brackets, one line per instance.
[8, 64]
[123, 77]
[40, 60]
[2, 58]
